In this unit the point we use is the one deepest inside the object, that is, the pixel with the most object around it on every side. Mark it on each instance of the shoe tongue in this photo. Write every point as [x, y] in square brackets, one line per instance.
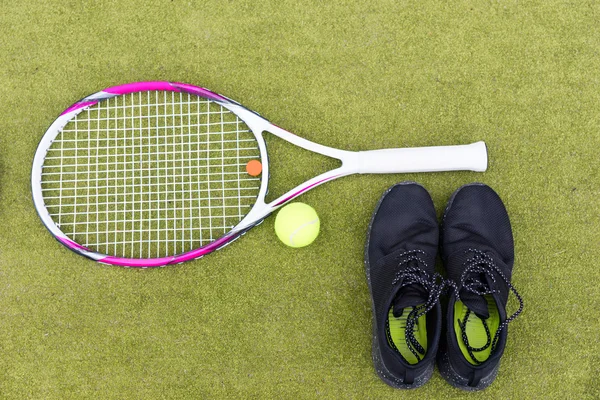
[476, 302]
[409, 296]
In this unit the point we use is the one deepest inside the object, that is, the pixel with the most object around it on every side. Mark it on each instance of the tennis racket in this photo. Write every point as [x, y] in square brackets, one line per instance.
[155, 173]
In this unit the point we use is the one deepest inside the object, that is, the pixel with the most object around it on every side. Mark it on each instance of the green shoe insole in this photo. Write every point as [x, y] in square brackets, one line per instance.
[397, 334]
[475, 329]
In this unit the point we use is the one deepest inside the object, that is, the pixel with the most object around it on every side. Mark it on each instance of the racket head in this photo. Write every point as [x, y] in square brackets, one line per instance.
[99, 171]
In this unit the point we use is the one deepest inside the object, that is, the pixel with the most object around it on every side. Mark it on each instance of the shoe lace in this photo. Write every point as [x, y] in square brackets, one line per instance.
[477, 265]
[432, 283]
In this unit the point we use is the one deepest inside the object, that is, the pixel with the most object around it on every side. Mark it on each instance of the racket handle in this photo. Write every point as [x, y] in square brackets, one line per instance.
[468, 157]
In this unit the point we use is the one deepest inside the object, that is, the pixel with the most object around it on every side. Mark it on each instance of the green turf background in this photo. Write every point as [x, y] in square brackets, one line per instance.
[260, 320]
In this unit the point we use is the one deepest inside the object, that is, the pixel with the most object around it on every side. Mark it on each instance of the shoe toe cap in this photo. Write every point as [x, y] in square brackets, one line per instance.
[476, 217]
[405, 219]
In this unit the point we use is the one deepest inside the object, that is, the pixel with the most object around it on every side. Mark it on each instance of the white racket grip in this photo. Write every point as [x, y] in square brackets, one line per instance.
[468, 157]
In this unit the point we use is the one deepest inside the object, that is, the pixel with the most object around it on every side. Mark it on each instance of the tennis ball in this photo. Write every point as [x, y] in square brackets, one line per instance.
[297, 225]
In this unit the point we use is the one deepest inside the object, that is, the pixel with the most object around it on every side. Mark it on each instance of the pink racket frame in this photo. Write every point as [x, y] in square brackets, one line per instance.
[421, 159]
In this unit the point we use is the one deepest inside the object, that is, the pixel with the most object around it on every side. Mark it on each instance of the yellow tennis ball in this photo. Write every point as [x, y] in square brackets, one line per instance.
[297, 225]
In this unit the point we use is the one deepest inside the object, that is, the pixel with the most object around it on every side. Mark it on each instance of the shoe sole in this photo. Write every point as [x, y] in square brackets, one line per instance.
[380, 367]
[443, 361]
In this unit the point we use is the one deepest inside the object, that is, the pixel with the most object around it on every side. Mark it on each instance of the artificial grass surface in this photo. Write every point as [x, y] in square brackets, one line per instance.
[257, 319]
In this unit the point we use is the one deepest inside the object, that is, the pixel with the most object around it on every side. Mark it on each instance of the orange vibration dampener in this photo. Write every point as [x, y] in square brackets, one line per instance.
[254, 167]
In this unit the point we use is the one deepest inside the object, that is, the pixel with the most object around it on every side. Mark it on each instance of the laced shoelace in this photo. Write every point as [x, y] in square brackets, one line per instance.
[481, 263]
[432, 283]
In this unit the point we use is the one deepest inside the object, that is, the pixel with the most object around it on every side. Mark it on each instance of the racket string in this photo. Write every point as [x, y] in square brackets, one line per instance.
[150, 174]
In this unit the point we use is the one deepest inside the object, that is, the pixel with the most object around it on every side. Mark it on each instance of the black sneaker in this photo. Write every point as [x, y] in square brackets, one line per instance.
[478, 253]
[400, 255]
